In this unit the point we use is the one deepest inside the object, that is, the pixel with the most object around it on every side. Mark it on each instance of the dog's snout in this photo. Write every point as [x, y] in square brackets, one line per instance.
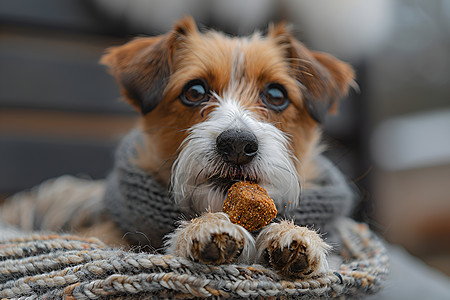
[237, 146]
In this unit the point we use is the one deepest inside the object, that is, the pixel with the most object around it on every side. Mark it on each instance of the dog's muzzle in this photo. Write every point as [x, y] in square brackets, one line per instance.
[237, 146]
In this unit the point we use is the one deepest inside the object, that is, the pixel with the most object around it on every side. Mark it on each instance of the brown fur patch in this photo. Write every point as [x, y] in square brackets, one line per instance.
[313, 81]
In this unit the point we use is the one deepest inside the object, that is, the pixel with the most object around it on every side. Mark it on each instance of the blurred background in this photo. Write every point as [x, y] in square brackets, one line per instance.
[60, 112]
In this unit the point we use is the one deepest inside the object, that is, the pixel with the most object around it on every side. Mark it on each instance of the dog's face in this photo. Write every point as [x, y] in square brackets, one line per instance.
[217, 109]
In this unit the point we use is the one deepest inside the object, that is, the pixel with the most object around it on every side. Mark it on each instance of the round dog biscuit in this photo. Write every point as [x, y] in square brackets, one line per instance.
[249, 205]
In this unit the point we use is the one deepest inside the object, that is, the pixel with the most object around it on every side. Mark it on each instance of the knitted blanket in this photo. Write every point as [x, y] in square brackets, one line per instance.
[55, 266]
[51, 265]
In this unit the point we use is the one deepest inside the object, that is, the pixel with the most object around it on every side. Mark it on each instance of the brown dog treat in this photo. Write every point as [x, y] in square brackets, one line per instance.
[249, 205]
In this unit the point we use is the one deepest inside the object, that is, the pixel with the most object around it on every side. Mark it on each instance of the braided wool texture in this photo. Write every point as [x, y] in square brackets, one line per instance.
[53, 266]
[42, 265]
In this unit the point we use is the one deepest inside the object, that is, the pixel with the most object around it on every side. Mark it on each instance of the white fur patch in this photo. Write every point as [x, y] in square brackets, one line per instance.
[273, 167]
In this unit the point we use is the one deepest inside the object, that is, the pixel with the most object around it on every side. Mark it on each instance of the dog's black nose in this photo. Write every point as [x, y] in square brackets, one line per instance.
[237, 146]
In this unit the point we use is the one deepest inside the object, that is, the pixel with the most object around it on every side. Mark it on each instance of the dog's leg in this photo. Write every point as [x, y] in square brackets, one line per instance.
[291, 250]
[211, 239]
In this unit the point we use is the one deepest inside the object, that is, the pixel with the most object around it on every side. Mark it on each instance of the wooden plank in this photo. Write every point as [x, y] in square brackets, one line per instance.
[71, 125]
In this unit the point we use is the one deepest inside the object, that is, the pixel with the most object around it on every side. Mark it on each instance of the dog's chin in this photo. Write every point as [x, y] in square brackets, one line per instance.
[212, 193]
[224, 183]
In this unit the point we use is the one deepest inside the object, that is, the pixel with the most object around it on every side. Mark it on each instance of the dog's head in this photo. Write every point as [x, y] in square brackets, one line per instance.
[216, 109]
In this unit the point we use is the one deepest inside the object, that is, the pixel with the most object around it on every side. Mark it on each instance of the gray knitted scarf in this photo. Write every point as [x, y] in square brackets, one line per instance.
[145, 210]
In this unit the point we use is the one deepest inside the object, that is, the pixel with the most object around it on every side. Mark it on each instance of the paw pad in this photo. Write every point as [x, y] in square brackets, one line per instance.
[221, 249]
[289, 261]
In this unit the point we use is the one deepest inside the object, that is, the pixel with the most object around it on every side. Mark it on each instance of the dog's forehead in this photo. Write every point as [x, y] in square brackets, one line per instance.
[246, 56]
[224, 61]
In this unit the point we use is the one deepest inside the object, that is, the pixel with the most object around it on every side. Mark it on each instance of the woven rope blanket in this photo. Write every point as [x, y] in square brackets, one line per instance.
[38, 261]
[54, 266]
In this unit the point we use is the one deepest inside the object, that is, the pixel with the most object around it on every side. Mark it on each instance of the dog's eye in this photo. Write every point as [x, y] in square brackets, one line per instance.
[195, 92]
[274, 96]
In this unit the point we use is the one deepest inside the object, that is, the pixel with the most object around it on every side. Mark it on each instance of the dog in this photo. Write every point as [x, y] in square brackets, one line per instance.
[216, 109]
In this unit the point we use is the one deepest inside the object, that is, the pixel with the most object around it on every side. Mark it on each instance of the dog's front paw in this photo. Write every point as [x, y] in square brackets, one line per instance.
[211, 239]
[291, 250]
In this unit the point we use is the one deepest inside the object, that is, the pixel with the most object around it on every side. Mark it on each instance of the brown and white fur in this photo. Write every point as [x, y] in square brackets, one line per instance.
[268, 86]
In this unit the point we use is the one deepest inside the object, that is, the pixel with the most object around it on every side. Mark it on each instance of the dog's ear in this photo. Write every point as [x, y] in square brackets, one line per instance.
[143, 66]
[325, 78]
